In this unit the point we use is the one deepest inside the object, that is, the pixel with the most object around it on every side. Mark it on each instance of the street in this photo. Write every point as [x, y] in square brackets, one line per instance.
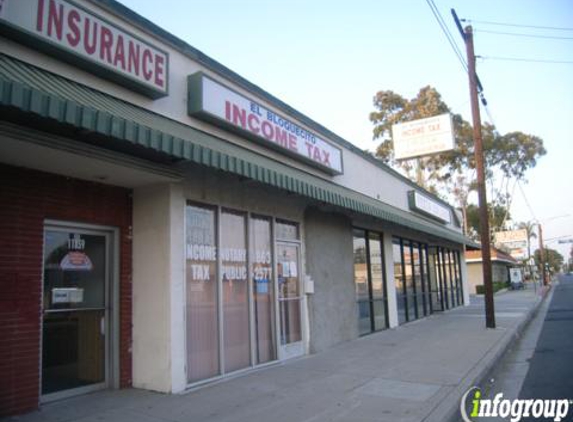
[550, 374]
[539, 364]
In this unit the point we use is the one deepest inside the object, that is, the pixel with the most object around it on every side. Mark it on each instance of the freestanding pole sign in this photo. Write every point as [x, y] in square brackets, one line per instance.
[423, 137]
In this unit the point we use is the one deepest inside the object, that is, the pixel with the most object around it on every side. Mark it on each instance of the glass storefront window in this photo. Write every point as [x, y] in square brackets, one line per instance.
[418, 282]
[399, 280]
[426, 282]
[288, 275]
[426, 279]
[409, 273]
[457, 267]
[441, 267]
[360, 266]
[361, 282]
[236, 278]
[286, 230]
[201, 308]
[434, 278]
[445, 278]
[263, 286]
[369, 281]
[452, 274]
[233, 251]
[376, 265]
[379, 303]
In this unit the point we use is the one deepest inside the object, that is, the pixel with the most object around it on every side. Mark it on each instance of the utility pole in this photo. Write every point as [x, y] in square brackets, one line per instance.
[467, 35]
[542, 257]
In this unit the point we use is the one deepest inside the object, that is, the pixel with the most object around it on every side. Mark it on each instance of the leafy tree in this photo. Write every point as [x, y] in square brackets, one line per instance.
[451, 172]
[553, 259]
[513, 153]
[497, 216]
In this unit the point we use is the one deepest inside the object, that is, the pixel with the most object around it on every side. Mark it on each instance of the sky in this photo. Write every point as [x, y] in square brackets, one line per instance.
[328, 58]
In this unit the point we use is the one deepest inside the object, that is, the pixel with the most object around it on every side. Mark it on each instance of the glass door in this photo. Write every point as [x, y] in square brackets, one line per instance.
[369, 281]
[289, 298]
[75, 311]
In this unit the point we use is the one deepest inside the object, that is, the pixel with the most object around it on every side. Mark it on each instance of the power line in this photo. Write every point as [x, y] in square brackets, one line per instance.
[516, 34]
[510, 201]
[447, 33]
[457, 51]
[527, 201]
[525, 59]
[487, 111]
[463, 34]
[516, 25]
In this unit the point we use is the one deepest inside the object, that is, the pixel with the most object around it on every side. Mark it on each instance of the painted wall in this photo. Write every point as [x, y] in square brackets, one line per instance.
[217, 188]
[158, 325]
[329, 262]
[499, 273]
[367, 178]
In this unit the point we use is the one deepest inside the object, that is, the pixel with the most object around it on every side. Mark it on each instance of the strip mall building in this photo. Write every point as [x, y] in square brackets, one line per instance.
[165, 223]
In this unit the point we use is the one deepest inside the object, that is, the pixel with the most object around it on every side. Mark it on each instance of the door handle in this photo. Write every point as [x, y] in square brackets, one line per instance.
[102, 326]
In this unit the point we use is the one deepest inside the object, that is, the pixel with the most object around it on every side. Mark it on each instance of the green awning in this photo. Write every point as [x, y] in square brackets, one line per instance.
[30, 89]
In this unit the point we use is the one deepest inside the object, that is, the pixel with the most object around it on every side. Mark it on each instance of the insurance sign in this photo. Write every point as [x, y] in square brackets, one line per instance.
[423, 137]
[218, 104]
[65, 29]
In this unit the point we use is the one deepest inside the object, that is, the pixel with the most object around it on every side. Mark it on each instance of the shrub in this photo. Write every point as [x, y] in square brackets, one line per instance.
[497, 286]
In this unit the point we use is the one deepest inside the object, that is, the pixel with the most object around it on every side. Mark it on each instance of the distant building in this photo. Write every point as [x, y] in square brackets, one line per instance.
[501, 263]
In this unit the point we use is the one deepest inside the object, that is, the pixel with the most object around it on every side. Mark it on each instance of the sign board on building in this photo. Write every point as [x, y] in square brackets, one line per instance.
[67, 295]
[428, 207]
[76, 261]
[64, 29]
[423, 137]
[214, 102]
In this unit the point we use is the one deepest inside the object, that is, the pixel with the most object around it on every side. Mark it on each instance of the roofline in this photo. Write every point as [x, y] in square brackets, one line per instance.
[27, 89]
[213, 65]
[475, 260]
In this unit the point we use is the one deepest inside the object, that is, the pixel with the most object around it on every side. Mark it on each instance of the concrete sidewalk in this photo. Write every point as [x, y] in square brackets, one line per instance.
[417, 372]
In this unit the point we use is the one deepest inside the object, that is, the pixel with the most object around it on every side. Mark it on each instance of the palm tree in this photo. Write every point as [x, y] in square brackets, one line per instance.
[528, 226]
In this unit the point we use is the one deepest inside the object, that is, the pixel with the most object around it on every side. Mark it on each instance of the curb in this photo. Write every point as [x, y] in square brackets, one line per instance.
[448, 408]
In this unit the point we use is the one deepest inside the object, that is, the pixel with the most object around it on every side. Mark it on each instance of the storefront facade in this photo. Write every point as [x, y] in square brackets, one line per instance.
[166, 223]
[501, 264]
